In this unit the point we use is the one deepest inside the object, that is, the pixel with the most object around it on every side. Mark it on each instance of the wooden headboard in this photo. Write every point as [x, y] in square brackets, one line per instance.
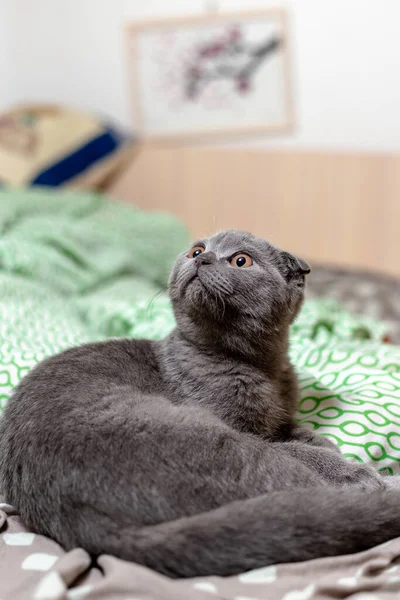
[337, 208]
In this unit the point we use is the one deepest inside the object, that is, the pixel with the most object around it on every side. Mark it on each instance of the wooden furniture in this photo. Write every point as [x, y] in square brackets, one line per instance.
[336, 208]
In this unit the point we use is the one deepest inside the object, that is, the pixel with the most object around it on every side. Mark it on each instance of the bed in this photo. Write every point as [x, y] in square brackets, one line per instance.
[76, 268]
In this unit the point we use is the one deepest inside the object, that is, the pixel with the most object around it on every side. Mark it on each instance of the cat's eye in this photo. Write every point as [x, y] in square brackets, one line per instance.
[242, 260]
[196, 251]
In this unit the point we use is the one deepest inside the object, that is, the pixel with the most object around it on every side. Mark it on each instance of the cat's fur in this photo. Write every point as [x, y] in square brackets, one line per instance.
[182, 454]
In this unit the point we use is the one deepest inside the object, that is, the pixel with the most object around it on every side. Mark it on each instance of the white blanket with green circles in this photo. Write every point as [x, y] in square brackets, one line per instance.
[77, 268]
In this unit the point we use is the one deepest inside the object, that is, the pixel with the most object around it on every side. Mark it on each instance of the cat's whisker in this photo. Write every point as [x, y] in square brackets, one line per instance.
[223, 287]
[150, 303]
[222, 304]
[184, 275]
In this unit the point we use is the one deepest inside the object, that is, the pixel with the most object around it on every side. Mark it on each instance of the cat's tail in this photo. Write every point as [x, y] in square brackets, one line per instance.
[274, 528]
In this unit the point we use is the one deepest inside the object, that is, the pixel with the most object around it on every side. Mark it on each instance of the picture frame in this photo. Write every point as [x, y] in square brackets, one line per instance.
[210, 75]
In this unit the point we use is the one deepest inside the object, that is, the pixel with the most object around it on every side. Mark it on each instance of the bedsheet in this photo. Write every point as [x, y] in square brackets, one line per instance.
[77, 268]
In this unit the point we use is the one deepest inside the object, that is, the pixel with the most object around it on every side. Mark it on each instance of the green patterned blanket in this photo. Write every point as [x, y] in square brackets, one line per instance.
[75, 268]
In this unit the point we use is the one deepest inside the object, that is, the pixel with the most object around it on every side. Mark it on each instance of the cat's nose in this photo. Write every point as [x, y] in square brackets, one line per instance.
[207, 258]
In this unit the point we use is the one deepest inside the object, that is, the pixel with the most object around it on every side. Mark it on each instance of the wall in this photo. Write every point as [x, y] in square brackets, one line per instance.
[7, 79]
[288, 197]
[346, 61]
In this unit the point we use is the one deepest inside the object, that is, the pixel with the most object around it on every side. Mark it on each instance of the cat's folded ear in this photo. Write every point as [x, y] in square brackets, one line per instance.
[294, 267]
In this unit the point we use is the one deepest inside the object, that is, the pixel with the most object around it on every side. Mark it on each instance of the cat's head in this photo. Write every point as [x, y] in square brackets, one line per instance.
[236, 284]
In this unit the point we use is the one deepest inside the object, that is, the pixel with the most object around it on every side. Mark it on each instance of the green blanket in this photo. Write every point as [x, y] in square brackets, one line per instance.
[76, 268]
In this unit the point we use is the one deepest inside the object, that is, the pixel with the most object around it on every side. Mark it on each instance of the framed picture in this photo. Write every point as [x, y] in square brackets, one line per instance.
[210, 75]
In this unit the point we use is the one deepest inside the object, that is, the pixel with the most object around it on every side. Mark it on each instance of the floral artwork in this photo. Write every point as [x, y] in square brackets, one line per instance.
[227, 57]
[206, 77]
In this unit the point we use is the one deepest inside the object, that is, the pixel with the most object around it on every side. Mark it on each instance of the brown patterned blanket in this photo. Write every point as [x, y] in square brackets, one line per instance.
[34, 567]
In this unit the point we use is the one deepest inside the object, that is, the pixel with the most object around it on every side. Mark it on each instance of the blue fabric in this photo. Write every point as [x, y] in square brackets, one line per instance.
[74, 164]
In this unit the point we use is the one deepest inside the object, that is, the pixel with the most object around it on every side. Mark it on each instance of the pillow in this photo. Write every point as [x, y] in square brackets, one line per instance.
[55, 146]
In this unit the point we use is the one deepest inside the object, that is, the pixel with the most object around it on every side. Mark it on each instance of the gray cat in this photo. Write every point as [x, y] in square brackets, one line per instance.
[183, 454]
